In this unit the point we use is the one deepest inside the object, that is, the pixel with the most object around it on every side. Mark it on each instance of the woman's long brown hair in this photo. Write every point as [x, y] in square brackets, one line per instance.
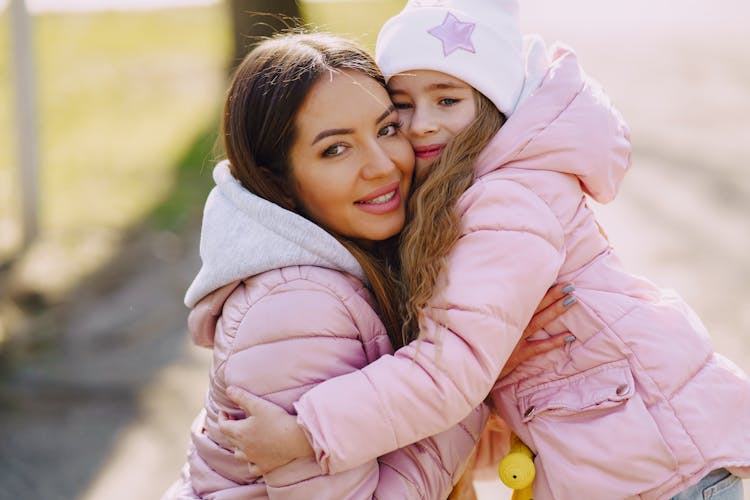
[433, 225]
[258, 131]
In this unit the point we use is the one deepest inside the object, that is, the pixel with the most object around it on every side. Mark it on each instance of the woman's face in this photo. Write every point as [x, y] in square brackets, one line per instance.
[351, 166]
[433, 107]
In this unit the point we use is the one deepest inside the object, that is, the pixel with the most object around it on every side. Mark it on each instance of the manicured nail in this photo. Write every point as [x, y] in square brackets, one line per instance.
[568, 288]
[569, 339]
[569, 301]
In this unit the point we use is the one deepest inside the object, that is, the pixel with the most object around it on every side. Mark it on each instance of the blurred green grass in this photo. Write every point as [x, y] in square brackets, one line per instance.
[120, 97]
[128, 106]
[358, 20]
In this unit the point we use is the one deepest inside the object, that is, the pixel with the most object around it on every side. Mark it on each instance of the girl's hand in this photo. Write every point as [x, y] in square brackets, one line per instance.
[268, 438]
[557, 300]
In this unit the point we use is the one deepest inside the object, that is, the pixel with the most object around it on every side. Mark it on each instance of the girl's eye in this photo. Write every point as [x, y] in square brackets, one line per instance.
[334, 150]
[448, 101]
[389, 130]
[401, 105]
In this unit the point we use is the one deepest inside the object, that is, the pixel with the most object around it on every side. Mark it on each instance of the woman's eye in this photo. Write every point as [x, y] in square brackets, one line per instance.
[401, 105]
[389, 130]
[334, 150]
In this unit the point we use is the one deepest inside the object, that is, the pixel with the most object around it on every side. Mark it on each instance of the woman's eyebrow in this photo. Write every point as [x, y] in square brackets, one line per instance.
[385, 113]
[330, 132]
[343, 131]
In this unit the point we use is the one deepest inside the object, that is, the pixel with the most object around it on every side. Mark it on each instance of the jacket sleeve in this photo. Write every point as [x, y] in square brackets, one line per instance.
[424, 470]
[509, 254]
[313, 345]
[429, 468]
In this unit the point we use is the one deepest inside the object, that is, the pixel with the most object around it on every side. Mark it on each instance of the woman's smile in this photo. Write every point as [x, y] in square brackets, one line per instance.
[381, 201]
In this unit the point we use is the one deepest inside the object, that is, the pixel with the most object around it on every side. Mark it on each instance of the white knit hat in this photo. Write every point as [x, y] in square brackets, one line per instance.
[477, 41]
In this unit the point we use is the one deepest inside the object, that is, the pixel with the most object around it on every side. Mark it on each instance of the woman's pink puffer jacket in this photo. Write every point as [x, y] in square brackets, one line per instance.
[277, 335]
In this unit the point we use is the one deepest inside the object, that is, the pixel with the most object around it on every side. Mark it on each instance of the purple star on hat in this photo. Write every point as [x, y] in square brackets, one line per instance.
[454, 34]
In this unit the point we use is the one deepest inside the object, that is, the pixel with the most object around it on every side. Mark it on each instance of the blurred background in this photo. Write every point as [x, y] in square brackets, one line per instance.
[108, 120]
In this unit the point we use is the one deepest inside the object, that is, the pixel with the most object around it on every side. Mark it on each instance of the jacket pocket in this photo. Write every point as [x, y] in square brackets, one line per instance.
[594, 436]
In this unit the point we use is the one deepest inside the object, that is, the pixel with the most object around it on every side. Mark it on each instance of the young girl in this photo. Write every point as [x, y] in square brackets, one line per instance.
[295, 234]
[509, 141]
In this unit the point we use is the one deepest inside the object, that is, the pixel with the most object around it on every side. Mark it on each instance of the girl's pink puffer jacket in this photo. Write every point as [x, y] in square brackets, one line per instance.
[639, 406]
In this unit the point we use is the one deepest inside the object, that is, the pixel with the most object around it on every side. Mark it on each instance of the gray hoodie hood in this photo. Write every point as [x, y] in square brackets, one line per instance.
[244, 235]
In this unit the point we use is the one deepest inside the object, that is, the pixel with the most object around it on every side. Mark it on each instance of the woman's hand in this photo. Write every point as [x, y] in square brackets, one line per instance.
[557, 300]
[268, 438]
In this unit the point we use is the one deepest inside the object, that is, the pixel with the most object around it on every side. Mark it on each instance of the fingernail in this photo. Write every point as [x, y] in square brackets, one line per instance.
[568, 288]
[569, 301]
[569, 339]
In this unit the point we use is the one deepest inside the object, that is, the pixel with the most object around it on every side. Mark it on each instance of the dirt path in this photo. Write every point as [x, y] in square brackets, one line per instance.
[111, 404]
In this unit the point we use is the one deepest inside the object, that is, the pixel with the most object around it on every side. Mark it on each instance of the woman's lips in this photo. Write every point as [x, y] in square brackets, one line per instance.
[381, 201]
[429, 152]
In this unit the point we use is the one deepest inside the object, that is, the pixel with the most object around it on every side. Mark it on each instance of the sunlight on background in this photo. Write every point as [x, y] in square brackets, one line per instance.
[42, 6]
[358, 20]
[120, 98]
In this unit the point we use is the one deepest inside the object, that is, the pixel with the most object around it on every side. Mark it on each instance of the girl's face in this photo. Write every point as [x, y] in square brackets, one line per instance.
[350, 165]
[433, 107]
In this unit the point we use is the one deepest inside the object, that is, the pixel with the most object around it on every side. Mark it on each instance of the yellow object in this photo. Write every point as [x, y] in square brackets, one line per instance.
[516, 469]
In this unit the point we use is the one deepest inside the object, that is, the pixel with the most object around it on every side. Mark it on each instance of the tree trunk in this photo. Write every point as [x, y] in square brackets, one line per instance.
[253, 20]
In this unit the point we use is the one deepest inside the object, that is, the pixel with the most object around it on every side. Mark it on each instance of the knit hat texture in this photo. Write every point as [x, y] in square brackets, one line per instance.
[477, 41]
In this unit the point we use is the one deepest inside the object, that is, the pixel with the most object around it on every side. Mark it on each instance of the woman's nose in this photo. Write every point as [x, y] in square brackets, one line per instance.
[377, 163]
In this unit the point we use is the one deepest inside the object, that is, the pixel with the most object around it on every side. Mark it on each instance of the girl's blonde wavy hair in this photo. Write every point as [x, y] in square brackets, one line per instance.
[433, 224]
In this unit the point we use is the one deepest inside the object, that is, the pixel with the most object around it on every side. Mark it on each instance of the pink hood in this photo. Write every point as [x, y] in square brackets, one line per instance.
[560, 123]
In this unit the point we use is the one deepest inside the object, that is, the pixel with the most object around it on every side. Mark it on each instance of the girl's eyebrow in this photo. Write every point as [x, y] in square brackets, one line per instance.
[343, 131]
[431, 87]
[442, 85]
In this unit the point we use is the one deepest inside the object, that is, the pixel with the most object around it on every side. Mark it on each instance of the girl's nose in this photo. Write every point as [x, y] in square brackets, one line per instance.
[422, 123]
